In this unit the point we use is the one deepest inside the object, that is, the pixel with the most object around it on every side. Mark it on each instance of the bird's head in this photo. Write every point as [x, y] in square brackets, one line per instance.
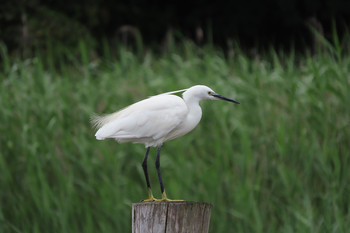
[201, 92]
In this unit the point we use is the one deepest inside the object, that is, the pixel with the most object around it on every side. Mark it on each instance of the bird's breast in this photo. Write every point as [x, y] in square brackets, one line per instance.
[187, 125]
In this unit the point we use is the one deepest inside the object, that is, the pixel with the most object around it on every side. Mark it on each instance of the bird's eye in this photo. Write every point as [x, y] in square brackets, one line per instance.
[210, 93]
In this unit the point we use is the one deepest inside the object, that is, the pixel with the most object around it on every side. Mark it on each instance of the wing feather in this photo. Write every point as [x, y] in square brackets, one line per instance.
[146, 121]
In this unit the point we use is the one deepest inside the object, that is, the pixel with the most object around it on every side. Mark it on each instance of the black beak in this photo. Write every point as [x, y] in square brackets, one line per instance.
[225, 98]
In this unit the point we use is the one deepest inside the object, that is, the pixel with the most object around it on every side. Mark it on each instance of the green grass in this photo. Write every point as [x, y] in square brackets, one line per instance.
[279, 162]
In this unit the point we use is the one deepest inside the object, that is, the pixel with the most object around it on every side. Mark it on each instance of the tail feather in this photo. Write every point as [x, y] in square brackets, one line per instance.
[98, 121]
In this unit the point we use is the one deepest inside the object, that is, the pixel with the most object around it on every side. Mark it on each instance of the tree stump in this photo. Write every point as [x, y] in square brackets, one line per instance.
[171, 217]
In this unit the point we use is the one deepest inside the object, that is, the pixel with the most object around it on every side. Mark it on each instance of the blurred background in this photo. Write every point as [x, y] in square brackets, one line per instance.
[278, 162]
[255, 24]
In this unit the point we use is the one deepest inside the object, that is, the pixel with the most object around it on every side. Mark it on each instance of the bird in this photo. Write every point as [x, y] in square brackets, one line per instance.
[155, 120]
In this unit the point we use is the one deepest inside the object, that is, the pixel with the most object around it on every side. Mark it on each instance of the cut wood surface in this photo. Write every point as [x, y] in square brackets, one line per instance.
[171, 217]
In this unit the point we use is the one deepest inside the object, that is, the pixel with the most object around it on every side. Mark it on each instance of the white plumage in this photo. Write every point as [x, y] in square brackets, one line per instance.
[155, 120]
[149, 121]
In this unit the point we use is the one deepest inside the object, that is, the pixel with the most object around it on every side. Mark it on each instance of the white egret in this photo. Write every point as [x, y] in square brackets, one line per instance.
[156, 120]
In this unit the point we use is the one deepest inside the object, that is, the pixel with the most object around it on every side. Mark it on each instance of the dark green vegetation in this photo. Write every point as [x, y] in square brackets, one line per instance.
[278, 162]
[257, 24]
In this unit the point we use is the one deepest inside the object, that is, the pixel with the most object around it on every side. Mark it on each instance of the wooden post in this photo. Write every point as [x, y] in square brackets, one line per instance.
[171, 217]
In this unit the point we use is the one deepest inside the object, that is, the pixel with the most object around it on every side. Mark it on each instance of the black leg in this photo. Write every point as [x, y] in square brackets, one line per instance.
[144, 166]
[158, 169]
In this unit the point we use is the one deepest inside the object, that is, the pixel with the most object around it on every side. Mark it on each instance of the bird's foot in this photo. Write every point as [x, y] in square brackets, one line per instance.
[150, 200]
[150, 197]
[164, 198]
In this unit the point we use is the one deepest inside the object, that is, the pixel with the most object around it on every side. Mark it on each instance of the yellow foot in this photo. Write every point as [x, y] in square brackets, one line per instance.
[164, 198]
[150, 200]
[150, 196]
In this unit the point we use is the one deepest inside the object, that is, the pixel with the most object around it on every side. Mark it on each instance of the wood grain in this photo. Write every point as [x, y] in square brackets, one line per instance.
[171, 217]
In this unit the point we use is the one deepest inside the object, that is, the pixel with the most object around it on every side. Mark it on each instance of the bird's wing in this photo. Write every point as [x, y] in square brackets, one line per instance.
[151, 118]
